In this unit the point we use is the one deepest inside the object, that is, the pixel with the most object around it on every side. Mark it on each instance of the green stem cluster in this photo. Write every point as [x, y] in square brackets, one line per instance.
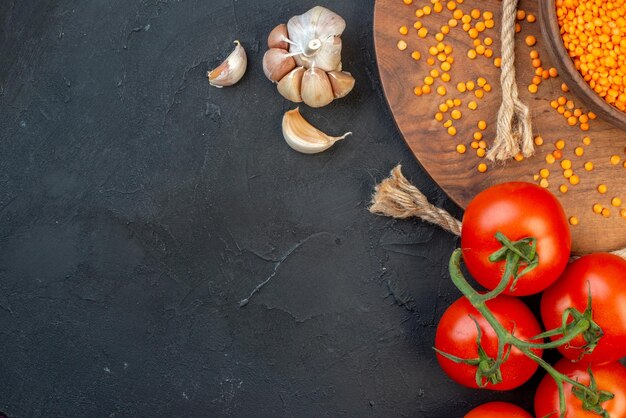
[590, 395]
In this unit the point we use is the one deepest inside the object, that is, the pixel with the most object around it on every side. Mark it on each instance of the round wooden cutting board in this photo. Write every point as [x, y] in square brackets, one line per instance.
[457, 173]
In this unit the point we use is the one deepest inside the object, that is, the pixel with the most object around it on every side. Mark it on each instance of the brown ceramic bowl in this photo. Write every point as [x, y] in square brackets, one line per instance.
[552, 36]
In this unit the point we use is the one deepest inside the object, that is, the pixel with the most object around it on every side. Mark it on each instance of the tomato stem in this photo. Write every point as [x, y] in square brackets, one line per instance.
[590, 394]
[517, 254]
[578, 329]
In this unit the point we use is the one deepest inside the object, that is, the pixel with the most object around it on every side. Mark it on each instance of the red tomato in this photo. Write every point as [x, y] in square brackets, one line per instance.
[456, 335]
[497, 410]
[609, 377]
[518, 210]
[604, 274]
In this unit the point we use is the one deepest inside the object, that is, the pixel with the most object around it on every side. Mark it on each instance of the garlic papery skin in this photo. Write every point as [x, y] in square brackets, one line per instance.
[304, 137]
[315, 38]
[290, 85]
[231, 70]
[278, 37]
[328, 60]
[342, 83]
[277, 63]
[316, 88]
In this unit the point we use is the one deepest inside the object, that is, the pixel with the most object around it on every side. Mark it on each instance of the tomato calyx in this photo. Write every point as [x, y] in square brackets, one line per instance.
[593, 400]
[517, 254]
[487, 368]
[576, 323]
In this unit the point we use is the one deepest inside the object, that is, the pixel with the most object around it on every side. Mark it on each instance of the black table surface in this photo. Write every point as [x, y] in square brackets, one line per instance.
[139, 206]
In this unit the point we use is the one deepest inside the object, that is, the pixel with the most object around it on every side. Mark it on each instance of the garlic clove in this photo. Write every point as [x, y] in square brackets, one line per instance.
[231, 70]
[342, 83]
[304, 137]
[277, 63]
[329, 56]
[278, 37]
[290, 85]
[316, 88]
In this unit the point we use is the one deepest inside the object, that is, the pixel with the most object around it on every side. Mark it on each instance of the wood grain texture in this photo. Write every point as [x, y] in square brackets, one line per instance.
[457, 174]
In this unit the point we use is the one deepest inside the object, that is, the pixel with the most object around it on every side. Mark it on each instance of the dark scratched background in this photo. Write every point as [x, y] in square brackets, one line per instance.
[138, 206]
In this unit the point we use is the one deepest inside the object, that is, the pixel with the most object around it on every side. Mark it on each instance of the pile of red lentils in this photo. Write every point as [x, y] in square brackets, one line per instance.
[594, 33]
[477, 25]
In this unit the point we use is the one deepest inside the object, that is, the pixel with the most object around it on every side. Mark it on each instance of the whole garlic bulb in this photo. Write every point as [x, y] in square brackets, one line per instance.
[311, 43]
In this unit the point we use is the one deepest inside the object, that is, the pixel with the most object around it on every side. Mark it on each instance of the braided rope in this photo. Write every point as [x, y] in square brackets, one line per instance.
[514, 126]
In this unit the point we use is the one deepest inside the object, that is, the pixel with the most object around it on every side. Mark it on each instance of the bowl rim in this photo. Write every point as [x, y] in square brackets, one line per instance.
[575, 82]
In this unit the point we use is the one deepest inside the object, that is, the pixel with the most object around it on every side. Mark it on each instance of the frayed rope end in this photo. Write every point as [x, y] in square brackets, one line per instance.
[398, 198]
